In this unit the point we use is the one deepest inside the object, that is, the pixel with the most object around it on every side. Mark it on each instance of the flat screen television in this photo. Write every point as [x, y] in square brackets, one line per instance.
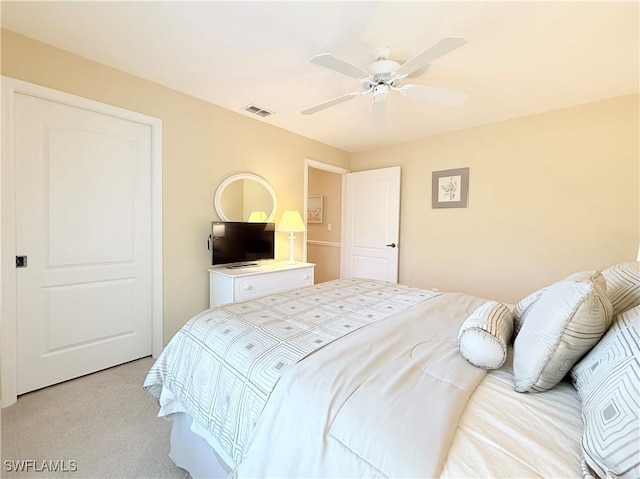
[238, 244]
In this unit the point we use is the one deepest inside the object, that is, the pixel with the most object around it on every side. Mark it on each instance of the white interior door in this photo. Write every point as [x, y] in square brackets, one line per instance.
[83, 220]
[371, 224]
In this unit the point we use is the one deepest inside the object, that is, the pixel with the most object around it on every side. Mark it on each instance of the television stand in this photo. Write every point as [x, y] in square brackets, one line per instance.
[230, 285]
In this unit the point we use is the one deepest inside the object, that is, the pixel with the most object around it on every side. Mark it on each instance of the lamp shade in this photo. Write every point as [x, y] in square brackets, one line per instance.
[257, 217]
[291, 222]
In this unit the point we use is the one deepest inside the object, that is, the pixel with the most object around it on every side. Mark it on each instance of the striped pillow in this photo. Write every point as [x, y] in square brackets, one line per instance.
[564, 323]
[607, 382]
[522, 308]
[484, 335]
[524, 305]
[623, 285]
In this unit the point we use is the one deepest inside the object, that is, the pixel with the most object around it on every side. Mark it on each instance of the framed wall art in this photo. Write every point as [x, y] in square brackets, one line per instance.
[450, 188]
[314, 209]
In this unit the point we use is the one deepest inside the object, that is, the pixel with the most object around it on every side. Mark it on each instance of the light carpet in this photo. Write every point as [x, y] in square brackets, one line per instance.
[104, 423]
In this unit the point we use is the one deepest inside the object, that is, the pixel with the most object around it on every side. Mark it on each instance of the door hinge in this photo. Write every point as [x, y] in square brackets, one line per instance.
[21, 261]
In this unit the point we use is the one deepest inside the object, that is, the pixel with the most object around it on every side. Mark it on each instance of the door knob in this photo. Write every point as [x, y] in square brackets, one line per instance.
[391, 245]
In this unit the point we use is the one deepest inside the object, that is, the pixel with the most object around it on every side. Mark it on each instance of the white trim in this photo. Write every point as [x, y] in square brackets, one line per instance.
[157, 278]
[308, 163]
[8, 348]
[324, 243]
[8, 316]
[326, 167]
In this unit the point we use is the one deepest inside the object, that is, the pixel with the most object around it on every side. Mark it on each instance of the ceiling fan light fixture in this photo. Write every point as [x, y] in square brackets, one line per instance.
[383, 68]
[380, 93]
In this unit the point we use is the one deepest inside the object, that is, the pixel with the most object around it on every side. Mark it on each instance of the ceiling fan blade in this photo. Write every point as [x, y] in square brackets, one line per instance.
[327, 60]
[419, 72]
[432, 53]
[435, 95]
[334, 101]
[379, 113]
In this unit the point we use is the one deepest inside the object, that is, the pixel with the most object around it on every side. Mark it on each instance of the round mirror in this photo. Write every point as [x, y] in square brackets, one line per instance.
[245, 197]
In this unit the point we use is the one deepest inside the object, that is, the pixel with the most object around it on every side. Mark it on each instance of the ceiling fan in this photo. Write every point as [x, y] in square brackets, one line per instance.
[384, 75]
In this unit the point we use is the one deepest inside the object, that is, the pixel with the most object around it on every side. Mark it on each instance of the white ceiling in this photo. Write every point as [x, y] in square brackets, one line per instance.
[521, 57]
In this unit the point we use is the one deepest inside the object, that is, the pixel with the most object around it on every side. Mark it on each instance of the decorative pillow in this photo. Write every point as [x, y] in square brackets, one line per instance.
[607, 382]
[484, 335]
[623, 285]
[522, 308]
[524, 305]
[564, 323]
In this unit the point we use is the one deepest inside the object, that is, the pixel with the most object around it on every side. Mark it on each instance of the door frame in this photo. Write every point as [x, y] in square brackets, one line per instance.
[309, 163]
[8, 298]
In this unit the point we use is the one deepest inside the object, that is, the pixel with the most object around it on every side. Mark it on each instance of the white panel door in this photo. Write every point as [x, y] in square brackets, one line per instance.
[371, 224]
[83, 219]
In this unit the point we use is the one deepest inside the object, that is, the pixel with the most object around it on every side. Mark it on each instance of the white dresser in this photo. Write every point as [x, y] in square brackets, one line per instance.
[230, 285]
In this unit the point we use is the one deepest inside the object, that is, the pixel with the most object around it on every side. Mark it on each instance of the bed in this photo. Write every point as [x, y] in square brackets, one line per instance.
[358, 377]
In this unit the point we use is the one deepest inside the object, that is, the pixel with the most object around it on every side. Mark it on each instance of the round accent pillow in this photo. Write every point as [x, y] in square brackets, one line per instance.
[484, 335]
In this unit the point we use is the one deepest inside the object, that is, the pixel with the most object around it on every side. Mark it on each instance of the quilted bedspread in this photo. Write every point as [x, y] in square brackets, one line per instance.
[383, 402]
[222, 366]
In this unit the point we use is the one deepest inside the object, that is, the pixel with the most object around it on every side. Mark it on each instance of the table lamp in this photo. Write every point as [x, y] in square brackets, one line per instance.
[291, 222]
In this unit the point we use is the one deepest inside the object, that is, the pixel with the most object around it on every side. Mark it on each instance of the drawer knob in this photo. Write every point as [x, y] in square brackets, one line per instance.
[247, 287]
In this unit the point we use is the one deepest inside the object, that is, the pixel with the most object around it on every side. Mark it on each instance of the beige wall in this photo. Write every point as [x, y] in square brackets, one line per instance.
[549, 195]
[202, 144]
[327, 261]
[325, 257]
[329, 185]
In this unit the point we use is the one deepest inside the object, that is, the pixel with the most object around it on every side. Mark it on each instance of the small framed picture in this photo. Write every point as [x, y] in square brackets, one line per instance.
[450, 188]
[314, 209]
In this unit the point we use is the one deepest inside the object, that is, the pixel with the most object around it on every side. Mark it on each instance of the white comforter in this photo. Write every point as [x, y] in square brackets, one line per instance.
[223, 364]
[503, 433]
[384, 402]
[396, 399]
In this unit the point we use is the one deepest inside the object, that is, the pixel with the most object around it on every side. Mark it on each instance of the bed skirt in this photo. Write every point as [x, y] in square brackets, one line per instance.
[192, 452]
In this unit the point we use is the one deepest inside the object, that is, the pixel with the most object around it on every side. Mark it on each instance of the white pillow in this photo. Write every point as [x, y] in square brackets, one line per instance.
[607, 382]
[623, 285]
[484, 335]
[565, 322]
[523, 306]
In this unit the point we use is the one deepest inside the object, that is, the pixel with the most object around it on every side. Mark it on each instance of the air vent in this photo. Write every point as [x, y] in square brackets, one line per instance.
[256, 110]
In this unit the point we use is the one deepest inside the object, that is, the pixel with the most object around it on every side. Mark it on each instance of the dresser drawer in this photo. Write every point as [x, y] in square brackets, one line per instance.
[270, 283]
